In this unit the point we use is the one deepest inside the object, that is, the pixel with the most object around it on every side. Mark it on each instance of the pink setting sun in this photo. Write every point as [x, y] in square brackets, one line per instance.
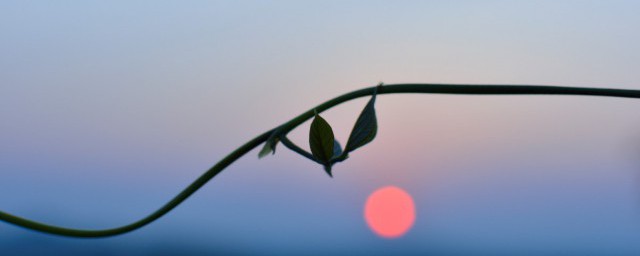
[390, 212]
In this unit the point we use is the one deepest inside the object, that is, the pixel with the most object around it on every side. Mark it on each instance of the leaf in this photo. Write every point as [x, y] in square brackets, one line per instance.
[321, 140]
[337, 149]
[269, 147]
[266, 149]
[327, 168]
[365, 128]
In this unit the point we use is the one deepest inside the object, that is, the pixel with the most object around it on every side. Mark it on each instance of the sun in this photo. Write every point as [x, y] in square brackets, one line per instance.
[390, 212]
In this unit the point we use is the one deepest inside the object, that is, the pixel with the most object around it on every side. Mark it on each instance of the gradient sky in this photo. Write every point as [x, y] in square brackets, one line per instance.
[108, 109]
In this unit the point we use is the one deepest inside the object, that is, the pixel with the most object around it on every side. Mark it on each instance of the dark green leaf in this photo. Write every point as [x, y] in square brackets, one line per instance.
[366, 127]
[327, 168]
[321, 140]
[269, 147]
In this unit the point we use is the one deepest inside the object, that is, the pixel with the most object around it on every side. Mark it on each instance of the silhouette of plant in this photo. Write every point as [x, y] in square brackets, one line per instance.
[325, 150]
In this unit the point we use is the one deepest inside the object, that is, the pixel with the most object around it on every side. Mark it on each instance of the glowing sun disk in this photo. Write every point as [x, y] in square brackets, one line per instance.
[390, 212]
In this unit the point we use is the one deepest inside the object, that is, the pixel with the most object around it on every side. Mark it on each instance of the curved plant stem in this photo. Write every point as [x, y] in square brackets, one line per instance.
[293, 123]
[293, 147]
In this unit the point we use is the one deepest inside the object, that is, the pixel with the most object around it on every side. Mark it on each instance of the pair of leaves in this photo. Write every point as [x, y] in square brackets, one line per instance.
[326, 150]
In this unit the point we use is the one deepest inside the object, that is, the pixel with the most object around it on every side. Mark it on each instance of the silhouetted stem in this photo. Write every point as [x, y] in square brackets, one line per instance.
[290, 145]
[295, 122]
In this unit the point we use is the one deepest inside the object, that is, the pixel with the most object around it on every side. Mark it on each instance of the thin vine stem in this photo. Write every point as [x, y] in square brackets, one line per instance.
[295, 122]
[295, 148]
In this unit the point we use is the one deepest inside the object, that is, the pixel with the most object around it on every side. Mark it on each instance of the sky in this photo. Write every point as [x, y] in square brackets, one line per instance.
[109, 109]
